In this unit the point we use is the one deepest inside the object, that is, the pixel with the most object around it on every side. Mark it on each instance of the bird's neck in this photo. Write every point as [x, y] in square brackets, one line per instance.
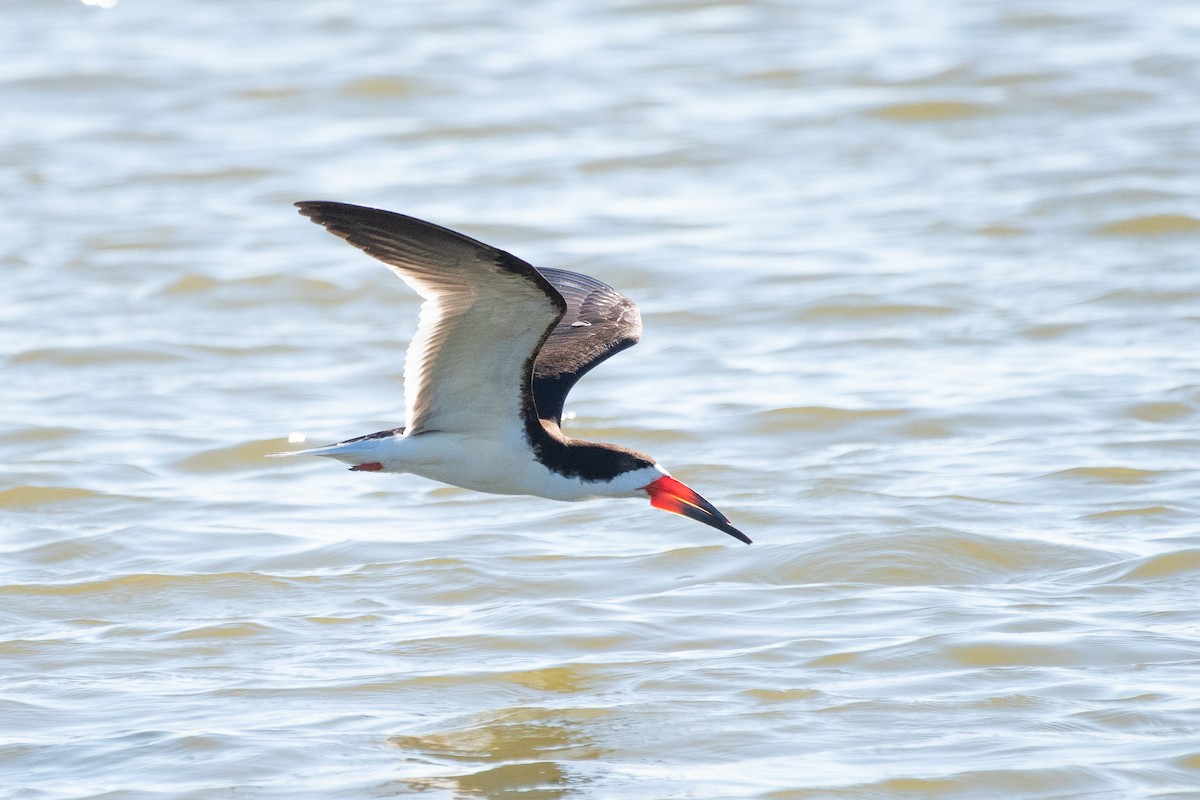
[586, 461]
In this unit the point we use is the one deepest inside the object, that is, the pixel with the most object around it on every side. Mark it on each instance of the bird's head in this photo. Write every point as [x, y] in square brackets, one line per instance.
[620, 472]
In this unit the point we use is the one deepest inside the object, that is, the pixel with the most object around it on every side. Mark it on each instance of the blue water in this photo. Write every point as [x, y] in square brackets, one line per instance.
[920, 306]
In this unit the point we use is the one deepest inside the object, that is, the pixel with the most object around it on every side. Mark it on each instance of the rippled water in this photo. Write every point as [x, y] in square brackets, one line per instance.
[920, 290]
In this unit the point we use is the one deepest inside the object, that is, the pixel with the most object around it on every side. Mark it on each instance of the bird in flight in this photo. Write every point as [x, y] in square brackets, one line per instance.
[498, 346]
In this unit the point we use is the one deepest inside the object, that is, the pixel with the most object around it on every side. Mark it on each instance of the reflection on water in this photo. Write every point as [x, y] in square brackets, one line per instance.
[531, 744]
[920, 299]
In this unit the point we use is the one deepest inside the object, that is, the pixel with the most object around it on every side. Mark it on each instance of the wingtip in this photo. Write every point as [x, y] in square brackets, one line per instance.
[335, 216]
[310, 208]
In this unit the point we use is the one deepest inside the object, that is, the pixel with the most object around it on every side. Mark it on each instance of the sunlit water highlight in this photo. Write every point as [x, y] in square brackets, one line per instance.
[921, 301]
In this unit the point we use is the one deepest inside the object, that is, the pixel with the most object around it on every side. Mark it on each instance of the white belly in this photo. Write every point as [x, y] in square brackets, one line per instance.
[493, 465]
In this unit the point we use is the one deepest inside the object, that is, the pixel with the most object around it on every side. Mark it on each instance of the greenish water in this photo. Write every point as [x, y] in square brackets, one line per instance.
[921, 309]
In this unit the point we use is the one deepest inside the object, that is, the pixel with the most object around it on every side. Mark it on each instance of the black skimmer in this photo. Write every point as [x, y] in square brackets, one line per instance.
[498, 346]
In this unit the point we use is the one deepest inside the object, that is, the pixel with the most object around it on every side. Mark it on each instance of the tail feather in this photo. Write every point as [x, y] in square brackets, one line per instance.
[308, 451]
[352, 451]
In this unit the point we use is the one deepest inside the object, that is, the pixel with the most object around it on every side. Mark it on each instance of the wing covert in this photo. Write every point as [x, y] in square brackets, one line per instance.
[599, 323]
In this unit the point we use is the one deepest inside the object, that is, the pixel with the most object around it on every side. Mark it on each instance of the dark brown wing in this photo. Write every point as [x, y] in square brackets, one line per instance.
[600, 322]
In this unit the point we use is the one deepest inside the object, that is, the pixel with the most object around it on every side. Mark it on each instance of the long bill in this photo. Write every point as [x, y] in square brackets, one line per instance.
[679, 498]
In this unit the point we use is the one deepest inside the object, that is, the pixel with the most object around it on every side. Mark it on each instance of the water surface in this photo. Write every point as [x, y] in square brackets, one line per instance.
[920, 292]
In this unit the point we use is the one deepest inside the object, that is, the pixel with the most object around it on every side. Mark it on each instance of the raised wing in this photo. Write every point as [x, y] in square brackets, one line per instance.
[486, 313]
[600, 322]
